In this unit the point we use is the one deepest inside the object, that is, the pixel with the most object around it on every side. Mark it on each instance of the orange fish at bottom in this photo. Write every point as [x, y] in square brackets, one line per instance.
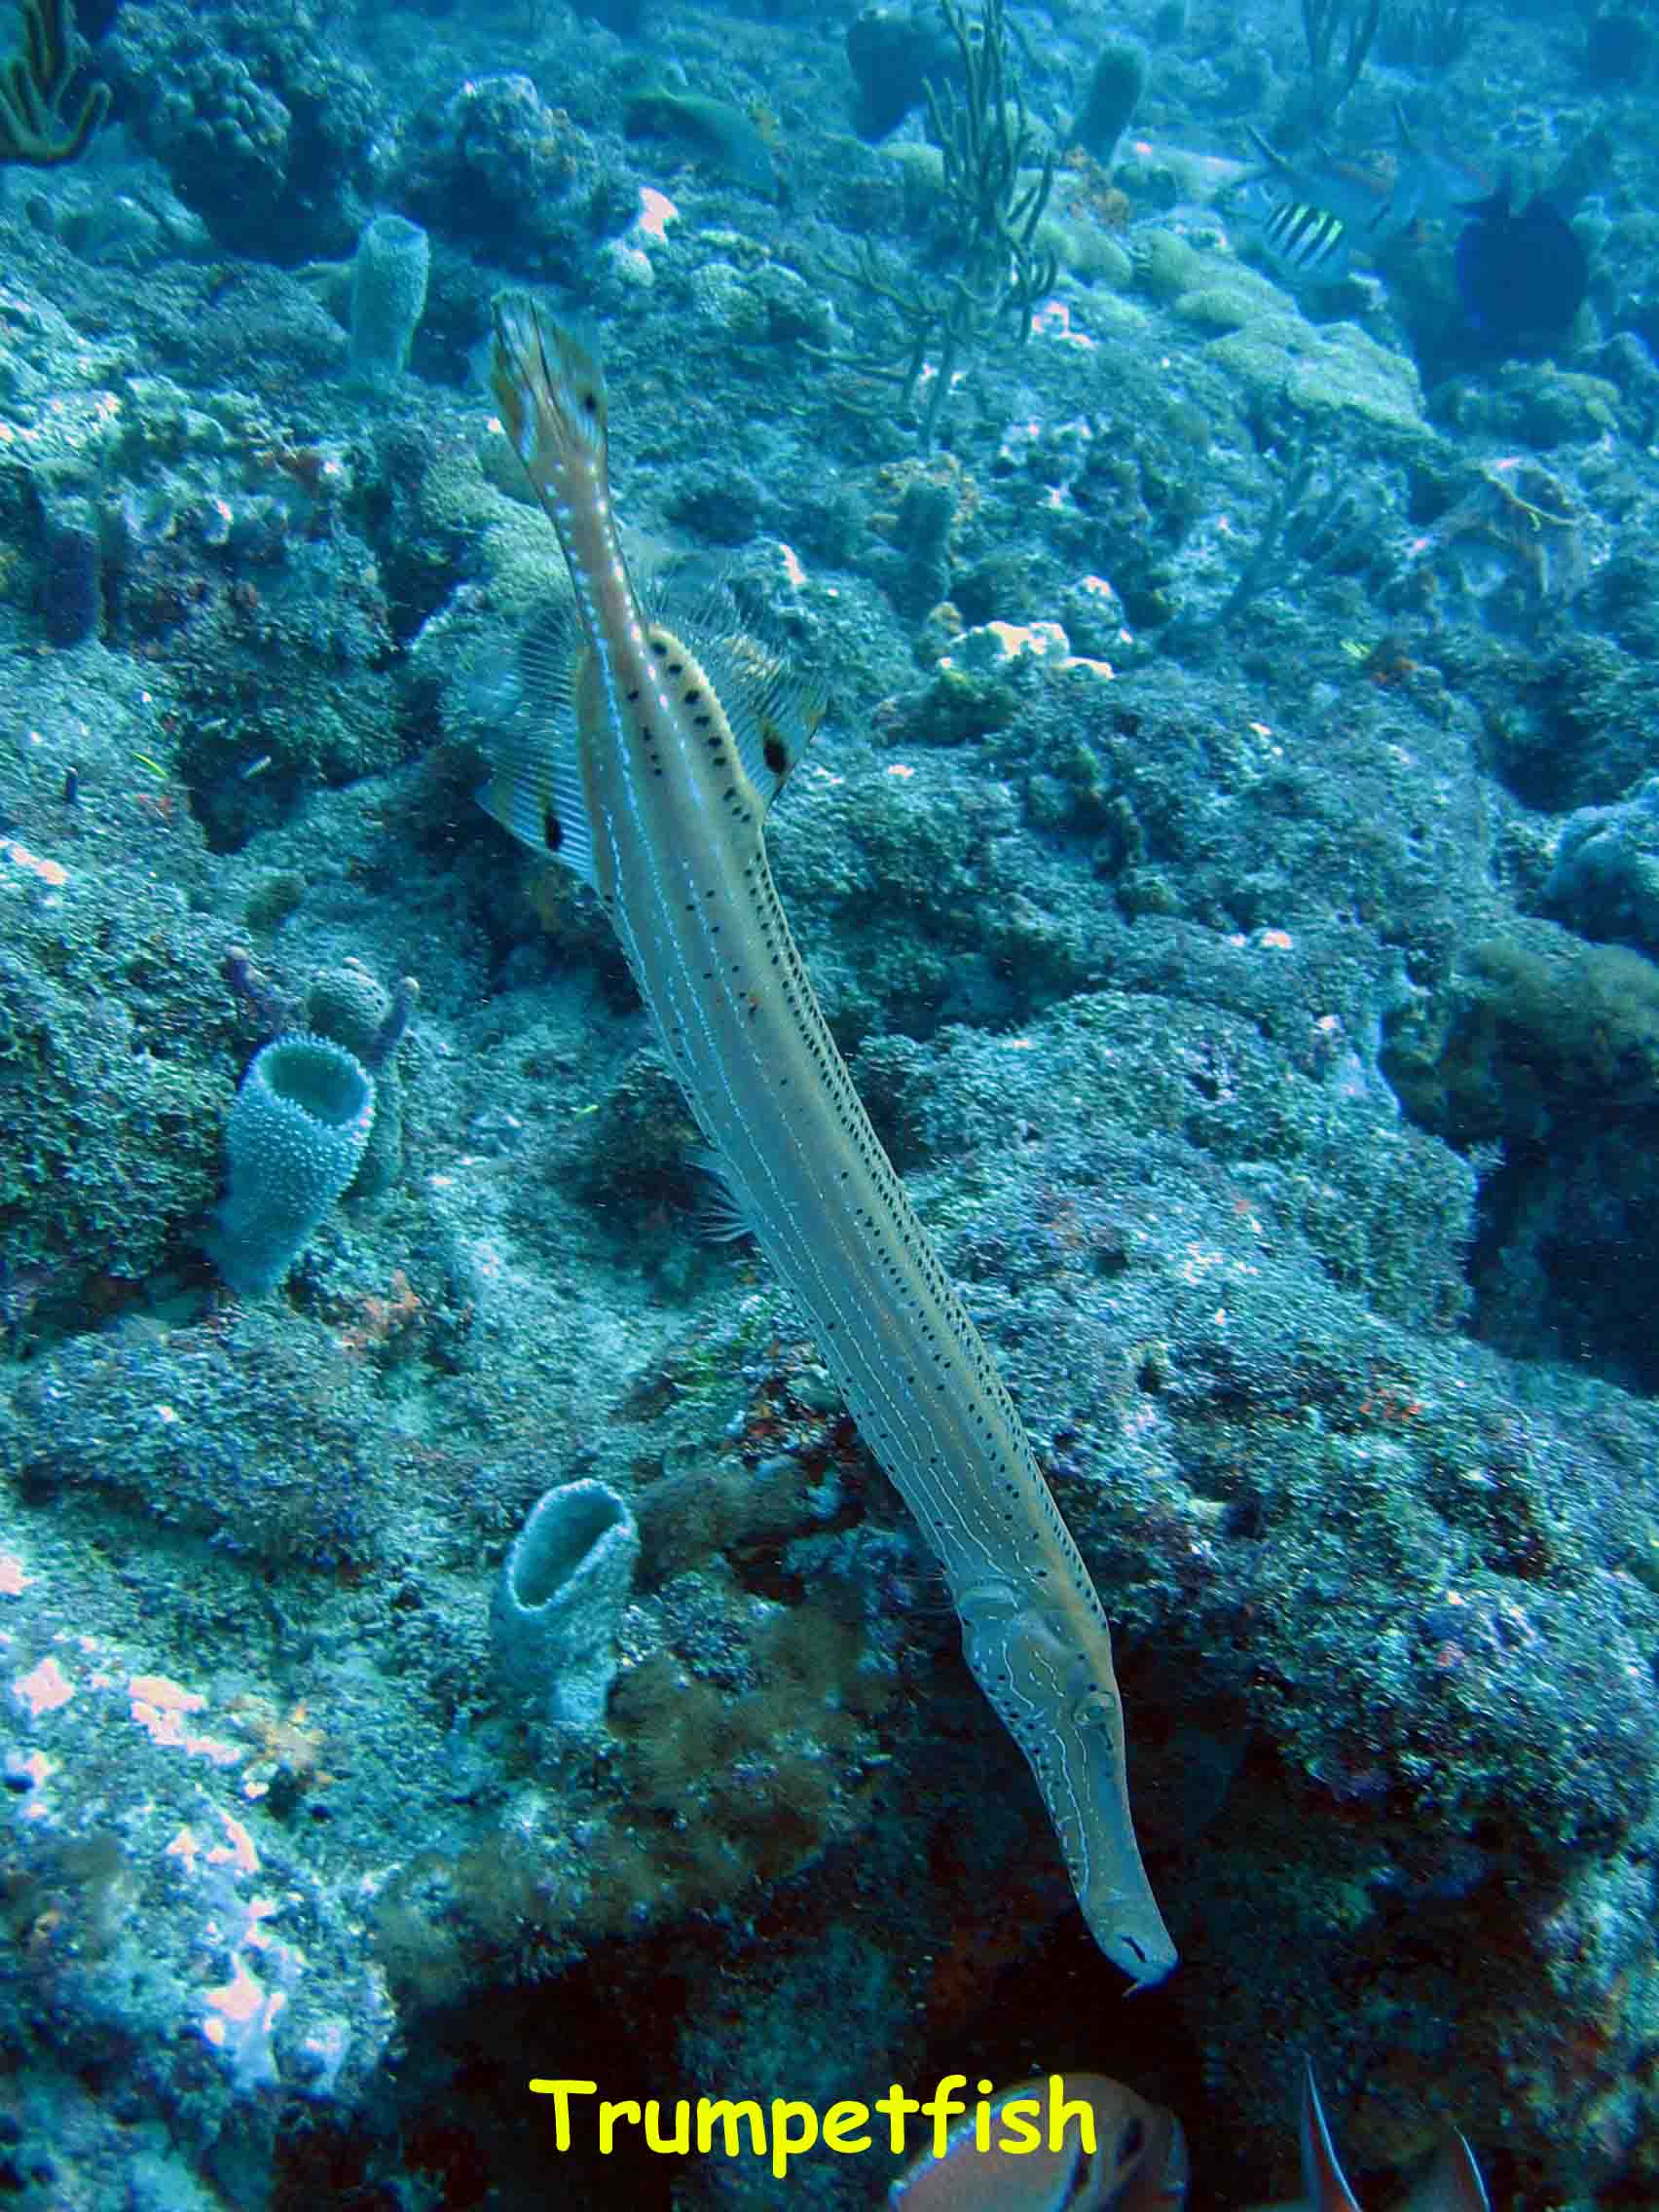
[1029, 2150]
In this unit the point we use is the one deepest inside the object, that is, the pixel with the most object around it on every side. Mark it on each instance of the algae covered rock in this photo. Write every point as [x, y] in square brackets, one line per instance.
[1336, 369]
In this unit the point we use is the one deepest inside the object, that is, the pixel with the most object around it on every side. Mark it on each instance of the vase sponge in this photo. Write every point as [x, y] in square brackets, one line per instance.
[294, 1139]
[559, 1604]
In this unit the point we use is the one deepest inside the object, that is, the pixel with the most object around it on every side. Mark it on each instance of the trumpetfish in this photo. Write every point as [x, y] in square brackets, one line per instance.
[655, 796]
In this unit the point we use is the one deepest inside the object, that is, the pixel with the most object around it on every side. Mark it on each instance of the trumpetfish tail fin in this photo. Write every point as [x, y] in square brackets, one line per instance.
[550, 390]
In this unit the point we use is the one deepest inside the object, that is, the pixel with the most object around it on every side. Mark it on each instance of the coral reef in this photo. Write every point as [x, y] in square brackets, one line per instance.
[493, 159]
[1605, 879]
[261, 124]
[1261, 1012]
[259, 1438]
[112, 1135]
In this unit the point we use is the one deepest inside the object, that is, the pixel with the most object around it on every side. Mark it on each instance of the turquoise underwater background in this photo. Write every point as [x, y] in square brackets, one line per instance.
[450, 1630]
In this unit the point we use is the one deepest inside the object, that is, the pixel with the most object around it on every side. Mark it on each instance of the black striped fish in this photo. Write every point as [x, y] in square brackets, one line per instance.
[1311, 215]
[1306, 244]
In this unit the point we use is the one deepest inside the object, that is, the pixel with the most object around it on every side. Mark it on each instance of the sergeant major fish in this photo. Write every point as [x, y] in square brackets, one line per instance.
[657, 800]
[1305, 241]
[1312, 214]
[1307, 245]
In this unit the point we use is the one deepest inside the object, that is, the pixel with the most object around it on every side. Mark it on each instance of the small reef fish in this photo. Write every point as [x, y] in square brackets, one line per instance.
[713, 131]
[1307, 217]
[1453, 2183]
[1311, 215]
[1309, 244]
[1002, 2159]
[655, 797]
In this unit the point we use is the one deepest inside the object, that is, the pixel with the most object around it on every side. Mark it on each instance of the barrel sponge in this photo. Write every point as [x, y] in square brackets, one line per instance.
[389, 296]
[559, 1604]
[293, 1140]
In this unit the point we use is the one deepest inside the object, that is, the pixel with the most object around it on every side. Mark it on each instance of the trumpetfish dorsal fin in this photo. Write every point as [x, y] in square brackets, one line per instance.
[774, 711]
[535, 787]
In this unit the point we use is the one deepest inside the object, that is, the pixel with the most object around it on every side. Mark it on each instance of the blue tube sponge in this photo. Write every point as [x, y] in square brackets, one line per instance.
[389, 296]
[294, 1137]
[559, 1602]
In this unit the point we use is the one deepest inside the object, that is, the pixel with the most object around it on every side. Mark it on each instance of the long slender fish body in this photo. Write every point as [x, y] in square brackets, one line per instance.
[658, 802]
